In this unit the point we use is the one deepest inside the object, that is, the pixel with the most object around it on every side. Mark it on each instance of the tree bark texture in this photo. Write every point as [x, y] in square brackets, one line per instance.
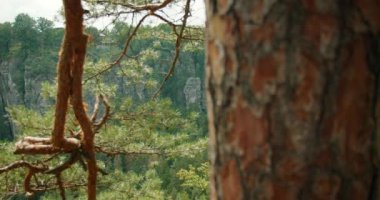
[292, 91]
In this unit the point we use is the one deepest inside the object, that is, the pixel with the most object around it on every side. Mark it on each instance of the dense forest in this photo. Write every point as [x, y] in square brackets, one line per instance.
[292, 93]
[151, 147]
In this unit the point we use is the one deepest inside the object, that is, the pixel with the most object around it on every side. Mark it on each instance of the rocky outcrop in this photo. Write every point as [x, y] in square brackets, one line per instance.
[32, 90]
[9, 89]
[8, 96]
[193, 93]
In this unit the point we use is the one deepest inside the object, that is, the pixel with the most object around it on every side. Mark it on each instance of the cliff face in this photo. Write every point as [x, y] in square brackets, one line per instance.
[32, 90]
[28, 60]
[20, 85]
[186, 86]
[9, 87]
[193, 93]
[9, 95]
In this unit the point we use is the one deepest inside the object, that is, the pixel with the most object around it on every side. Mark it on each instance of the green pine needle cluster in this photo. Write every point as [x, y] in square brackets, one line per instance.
[151, 148]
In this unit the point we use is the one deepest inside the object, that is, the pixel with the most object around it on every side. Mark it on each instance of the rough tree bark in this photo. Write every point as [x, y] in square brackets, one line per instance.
[293, 98]
[70, 70]
[79, 42]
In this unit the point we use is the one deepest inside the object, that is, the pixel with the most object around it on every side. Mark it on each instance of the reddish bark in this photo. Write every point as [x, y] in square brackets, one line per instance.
[292, 98]
[74, 47]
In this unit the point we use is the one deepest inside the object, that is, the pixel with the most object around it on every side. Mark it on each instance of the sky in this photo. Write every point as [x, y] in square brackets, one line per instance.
[9, 9]
[48, 9]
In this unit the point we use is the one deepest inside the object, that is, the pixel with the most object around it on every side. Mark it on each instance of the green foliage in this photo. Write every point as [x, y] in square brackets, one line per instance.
[152, 128]
[24, 31]
[30, 122]
[5, 40]
[31, 48]
[156, 147]
[10, 180]
[132, 186]
[120, 186]
[195, 179]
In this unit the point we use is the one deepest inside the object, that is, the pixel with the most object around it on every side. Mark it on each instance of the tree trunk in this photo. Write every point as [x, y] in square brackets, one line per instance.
[70, 71]
[292, 92]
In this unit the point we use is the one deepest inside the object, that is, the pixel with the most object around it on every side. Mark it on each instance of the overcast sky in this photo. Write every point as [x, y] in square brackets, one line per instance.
[9, 9]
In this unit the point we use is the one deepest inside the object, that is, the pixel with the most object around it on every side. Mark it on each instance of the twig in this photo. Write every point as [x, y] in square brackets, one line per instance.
[67, 186]
[57, 170]
[118, 152]
[22, 163]
[174, 27]
[60, 186]
[28, 178]
[122, 54]
[177, 49]
[136, 8]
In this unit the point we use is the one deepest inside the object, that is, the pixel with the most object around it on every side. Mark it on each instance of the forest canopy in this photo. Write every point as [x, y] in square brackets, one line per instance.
[150, 130]
[292, 101]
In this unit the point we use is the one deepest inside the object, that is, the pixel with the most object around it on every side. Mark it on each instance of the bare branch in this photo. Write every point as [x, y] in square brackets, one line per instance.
[136, 8]
[65, 185]
[177, 49]
[22, 163]
[123, 53]
[161, 152]
[60, 186]
[174, 27]
[28, 178]
[36, 145]
[60, 168]
[123, 152]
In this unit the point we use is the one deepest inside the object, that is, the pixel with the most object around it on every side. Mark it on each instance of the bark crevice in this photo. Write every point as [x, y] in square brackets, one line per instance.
[373, 58]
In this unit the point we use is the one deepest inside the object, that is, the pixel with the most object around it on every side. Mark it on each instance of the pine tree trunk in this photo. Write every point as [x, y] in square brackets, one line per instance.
[70, 71]
[293, 98]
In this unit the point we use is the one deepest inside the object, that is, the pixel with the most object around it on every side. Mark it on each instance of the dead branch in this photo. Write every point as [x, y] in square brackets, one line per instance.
[136, 8]
[28, 178]
[109, 152]
[36, 145]
[65, 185]
[60, 168]
[32, 169]
[60, 186]
[22, 163]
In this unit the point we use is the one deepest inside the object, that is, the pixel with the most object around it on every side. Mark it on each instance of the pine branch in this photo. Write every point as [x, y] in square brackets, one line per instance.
[177, 50]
